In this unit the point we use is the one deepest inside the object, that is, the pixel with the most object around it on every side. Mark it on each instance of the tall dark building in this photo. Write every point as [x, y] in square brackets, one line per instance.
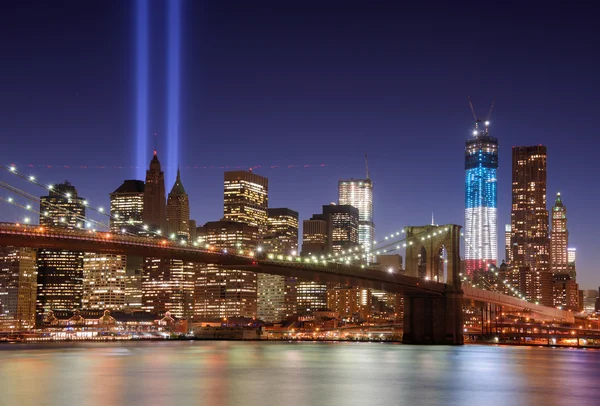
[342, 226]
[178, 211]
[127, 207]
[529, 217]
[60, 272]
[481, 167]
[154, 215]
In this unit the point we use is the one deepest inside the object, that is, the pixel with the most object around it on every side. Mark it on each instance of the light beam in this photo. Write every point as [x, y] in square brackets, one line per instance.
[141, 70]
[174, 22]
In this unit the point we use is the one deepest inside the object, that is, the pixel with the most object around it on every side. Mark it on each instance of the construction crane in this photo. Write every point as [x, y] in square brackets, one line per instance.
[478, 119]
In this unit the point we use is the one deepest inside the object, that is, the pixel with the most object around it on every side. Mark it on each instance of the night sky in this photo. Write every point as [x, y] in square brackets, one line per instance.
[317, 83]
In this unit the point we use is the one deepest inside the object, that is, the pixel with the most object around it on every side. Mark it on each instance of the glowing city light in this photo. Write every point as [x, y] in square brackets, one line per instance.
[141, 70]
[174, 23]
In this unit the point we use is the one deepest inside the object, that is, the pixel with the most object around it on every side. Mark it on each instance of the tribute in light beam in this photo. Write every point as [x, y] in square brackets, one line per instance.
[141, 129]
[174, 16]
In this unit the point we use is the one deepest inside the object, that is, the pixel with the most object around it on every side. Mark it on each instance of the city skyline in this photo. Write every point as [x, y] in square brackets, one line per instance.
[392, 132]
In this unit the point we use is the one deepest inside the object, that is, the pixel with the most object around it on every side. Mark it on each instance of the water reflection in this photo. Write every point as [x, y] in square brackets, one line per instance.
[248, 373]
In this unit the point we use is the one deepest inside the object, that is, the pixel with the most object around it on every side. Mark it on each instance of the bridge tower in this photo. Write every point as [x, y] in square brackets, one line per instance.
[430, 319]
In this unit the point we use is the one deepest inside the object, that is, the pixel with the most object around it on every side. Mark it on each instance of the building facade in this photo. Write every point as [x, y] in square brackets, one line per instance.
[314, 237]
[529, 216]
[154, 214]
[246, 197]
[60, 272]
[225, 293]
[104, 278]
[277, 295]
[481, 191]
[178, 211]
[572, 265]
[507, 246]
[559, 239]
[359, 193]
[127, 207]
[18, 287]
[168, 286]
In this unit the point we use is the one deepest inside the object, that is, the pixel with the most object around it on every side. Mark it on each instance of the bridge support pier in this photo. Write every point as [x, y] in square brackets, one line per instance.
[433, 320]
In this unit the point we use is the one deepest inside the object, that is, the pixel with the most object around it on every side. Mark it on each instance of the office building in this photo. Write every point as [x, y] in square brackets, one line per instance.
[314, 237]
[566, 292]
[127, 207]
[481, 166]
[352, 303]
[246, 197]
[178, 211]
[559, 240]
[277, 294]
[359, 193]
[536, 286]
[224, 293]
[154, 213]
[529, 217]
[104, 278]
[18, 287]
[60, 272]
[168, 286]
[133, 283]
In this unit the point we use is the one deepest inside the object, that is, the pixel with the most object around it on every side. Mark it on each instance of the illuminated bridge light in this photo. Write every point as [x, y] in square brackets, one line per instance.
[13, 169]
[32, 178]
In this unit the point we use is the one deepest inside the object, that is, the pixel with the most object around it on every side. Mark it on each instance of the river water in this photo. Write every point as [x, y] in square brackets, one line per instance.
[288, 374]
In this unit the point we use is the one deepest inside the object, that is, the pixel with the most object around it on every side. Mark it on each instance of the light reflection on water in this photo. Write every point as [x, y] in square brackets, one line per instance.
[250, 373]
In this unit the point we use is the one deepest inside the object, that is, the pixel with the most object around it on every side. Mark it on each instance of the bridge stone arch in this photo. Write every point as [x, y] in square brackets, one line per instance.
[431, 239]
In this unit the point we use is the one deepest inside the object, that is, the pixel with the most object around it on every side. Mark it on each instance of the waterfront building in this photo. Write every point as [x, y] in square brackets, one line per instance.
[277, 294]
[18, 287]
[481, 166]
[104, 279]
[225, 293]
[566, 292]
[60, 272]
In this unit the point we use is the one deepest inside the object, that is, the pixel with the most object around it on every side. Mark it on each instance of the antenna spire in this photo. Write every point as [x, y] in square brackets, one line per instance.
[155, 144]
[367, 165]
[432, 221]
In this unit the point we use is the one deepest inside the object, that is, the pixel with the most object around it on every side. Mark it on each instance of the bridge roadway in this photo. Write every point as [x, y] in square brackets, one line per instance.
[106, 242]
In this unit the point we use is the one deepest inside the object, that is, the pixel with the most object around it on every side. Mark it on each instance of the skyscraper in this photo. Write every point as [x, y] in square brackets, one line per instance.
[246, 199]
[507, 248]
[60, 272]
[127, 207]
[277, 294]
[103, 281]
[314, 236]
[154, 214]
[481, 165]
[359, 193]
[572, 267]
[559, 240]
[168, 286]
[224, 293]
[18, 286]
[529, 216]
[178, 211]
[342, 225]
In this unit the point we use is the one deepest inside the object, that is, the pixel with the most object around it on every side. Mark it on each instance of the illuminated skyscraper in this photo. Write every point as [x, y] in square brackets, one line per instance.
[18, 286]
[572, 263]
[127, 207]
[154, 214]
[529, 216]
[60, 272]
[246, 199]
[559, 241]
[178, 211]
[277, 294]
[314, 236]
[359, 193]
[103, 281]
[168, 286]
[223, 293]
[481, 165]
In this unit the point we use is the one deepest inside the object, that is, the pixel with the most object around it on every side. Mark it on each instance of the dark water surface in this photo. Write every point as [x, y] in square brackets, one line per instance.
[289, 374]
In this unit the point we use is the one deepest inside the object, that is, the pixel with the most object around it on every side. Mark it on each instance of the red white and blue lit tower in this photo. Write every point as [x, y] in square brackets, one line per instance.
[481, 165]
